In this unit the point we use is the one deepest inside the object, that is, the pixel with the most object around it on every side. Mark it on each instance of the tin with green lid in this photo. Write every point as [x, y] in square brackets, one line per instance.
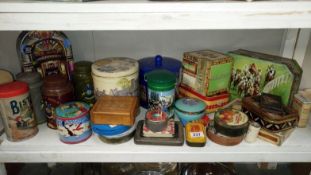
[83, 82]
[161, 90]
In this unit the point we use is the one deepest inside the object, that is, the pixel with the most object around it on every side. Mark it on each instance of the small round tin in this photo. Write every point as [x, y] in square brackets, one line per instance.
[73, 122]
[231, 122]
[116, 76]
[189, 109]
[156, 120]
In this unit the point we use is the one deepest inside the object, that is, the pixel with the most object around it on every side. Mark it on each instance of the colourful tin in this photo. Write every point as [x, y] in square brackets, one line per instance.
[16, 111]
[189, 109]
[73, 122]
[117, 76]
[152, 63]
[161, 90]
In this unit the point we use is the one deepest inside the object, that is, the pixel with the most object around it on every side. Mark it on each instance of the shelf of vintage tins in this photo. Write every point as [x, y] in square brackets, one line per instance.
[46, 147]
[153, 15]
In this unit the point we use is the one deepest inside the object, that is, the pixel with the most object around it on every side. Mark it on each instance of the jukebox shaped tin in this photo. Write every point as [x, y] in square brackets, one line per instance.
[47, 52]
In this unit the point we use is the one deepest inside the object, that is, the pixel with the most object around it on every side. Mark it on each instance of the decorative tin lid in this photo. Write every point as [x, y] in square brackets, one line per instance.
[29, 77]
[115, 67]
[5, 76]
[229, 117]
[150, 63]
[160, 80]
[190, 105]
[13, 89]
[83, 67]
[72, 110]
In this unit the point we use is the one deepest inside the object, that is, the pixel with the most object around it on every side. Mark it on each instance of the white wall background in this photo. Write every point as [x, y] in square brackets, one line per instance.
[89, 45]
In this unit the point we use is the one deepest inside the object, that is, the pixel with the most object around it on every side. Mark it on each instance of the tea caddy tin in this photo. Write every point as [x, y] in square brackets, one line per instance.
[152, 63]
[34, 81]
[16, 111]
[161, 90]
[5, 76]
[302, 104]
[189, 109]
[73, 122]
[83, 82]
[56, 90]
[116, 76]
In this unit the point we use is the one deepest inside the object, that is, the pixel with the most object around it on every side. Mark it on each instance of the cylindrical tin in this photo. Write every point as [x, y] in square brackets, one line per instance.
[83, 82]
[5, 76]
[116, 76]
[56, 90]
[34, 81]
[156, 120]
[16, 111]
[119, 138]
[161, 90]
[152, 63]
[73, 122]
[302, 104]
[252, 133]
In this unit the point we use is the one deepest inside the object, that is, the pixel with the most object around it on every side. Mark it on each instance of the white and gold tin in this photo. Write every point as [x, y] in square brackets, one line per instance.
[116, 76]
[302, 104]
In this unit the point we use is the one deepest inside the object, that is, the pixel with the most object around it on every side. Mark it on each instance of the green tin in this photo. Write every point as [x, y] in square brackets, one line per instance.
[83, 82]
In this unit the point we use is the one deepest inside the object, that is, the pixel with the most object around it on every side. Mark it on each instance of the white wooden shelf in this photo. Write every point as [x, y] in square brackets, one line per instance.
[153, 15]
[46, 147]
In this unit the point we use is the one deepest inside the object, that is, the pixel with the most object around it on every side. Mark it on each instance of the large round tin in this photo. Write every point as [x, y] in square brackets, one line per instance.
[189, 109]
[161, 90]
[117, 76]
[34, 81]
[56, 90]
[16, 111]
[231, 122]
[119, 138]
[5, 76]
[83, 82]
[73, 122]
[152, 63]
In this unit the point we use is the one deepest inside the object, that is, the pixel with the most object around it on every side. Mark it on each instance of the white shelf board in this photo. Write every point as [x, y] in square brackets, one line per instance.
[153, 15]
[46, 147]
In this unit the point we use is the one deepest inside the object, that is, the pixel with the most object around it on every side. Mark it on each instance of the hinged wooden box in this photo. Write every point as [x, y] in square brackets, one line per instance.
[115, 110]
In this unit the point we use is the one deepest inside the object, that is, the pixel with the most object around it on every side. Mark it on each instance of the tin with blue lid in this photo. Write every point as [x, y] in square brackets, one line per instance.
[152, 63]
[73, 122]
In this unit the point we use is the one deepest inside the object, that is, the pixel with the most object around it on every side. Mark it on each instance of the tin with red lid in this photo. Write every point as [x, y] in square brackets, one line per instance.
[16, 111]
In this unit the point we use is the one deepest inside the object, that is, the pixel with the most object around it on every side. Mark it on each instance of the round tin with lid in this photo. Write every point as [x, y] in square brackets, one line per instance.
[189, 109]
[34, 81]
[116, 76]
[156, 120]
[16, 111]
[56, 90]
[73, 122]
[231, 122]
[83, 82]
[5, 76]
[152, 63]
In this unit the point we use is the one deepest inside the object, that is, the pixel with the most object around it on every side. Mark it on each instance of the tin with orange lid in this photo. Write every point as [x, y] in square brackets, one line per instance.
[16, 111]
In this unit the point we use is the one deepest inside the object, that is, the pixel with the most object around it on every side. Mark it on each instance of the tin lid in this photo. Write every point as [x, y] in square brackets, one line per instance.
[83, 66]
[158, 62]
[5, 76]
[29, 77]
[190, 105]
[115, 67]
[72, 110]
[230, 117]
[109, 130]
[13, 89]
[160, 80]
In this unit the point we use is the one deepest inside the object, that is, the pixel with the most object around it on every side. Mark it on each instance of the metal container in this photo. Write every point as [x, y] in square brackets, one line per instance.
[117, 76]
[83, 82]
[152, 63]
[34, 81]
[16, 111]
[302, 104]
[156, 120]
[73, 122]
[161, 90]
[56, 90]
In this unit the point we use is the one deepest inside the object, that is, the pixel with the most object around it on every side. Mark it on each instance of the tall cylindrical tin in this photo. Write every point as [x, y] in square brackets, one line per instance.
[116, 76]
[161, 90]
[83, 82]
[16, 111]
[152, 63]
[56, 90]
[34, 81]
[73, 122]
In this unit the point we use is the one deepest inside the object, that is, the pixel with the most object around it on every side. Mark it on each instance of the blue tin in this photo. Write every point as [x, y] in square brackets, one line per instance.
[73, 122]
[109, 130]
[151, 63]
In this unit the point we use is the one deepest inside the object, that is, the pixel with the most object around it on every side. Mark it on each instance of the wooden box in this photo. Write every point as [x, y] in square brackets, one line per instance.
[115, 110]
[206, 72]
